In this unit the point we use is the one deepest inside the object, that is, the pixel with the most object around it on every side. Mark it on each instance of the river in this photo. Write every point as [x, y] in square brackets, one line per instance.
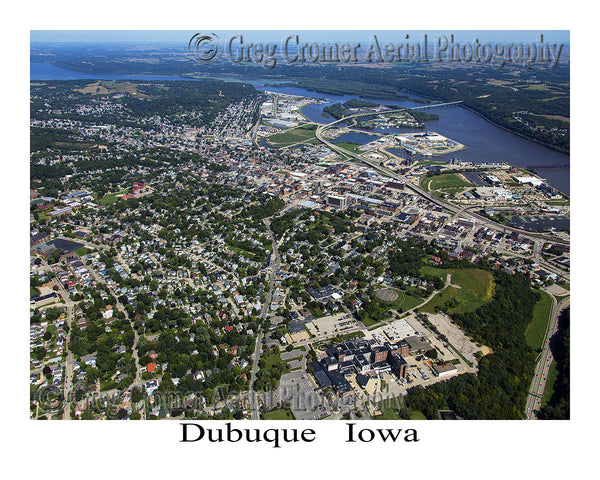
[485, 142]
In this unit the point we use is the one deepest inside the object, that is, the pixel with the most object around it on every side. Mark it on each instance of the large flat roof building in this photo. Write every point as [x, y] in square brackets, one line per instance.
[337, 201]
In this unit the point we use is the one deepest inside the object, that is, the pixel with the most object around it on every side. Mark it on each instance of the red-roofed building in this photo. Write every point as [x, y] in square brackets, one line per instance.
[436, 260]
[151, 367]
[138, 187]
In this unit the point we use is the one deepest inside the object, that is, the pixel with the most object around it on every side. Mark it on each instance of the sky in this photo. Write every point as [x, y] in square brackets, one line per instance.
[160, 36]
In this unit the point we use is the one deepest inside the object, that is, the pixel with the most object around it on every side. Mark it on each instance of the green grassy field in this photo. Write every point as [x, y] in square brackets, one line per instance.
[392, 414]
[33, 291]
[534, 334]
[278, 414]
[388, 414]
[346, 336]
[351, 147]
[292, 136]
[111, 198]
[444, 181]
[475, 287]
[272, 359]
[406, 302]
[82, 251]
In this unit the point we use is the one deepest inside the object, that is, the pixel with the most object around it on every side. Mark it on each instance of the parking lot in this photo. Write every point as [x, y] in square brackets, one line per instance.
[474, 178]
[299, 390]
[289, 355]
[339, 323]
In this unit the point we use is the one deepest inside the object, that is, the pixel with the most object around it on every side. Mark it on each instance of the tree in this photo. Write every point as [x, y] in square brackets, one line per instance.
[136, 395]
[87, 415]
[433, 353]
[39, 353]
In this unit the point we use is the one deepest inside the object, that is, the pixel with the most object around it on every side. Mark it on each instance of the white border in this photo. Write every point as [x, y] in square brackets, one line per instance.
[151, 449]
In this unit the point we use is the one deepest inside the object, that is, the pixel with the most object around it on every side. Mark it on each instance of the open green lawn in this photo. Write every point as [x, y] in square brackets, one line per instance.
[406, 302]
[278, 414]
[33, 291]
[346, 336]
[444, 181]
[474, 287]
[351, 147]
[388, 414]
[534, 334]
[82, 251]
[273, 359]
[294, 135]
[111, 198]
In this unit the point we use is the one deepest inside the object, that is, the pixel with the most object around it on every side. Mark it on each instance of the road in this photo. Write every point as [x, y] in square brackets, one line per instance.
[275, 260]
[68, 364]
[538, 384]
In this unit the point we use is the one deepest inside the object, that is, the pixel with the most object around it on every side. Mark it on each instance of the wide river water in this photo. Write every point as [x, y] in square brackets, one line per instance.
[484, 141]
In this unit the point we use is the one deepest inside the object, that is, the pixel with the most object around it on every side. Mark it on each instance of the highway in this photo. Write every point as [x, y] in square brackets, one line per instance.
[538, 384]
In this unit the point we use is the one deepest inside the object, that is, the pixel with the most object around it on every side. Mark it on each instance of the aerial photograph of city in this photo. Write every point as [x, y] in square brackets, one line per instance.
[296, 239]
[306, 225]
